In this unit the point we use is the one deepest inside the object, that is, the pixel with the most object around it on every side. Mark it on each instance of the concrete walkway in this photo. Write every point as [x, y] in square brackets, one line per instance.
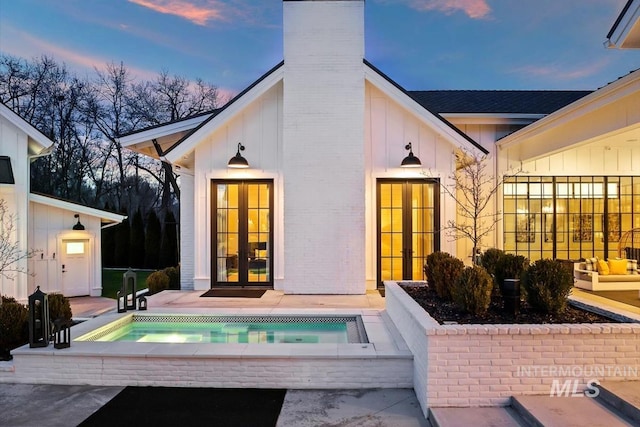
[26, 405]
[88, 307]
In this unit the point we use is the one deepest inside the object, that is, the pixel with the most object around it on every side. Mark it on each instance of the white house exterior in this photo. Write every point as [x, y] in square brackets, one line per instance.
[325, 206]
[64, 260]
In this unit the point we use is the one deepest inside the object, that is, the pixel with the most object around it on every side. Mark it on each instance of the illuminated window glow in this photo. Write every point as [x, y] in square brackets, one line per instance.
[75, 248]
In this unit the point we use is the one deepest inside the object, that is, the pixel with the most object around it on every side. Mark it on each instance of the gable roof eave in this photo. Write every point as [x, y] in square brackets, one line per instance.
[105, 216]
[625, 31]
[399, 94]
[187, 143]
[140, 139]
[41, 141]
[624, 86]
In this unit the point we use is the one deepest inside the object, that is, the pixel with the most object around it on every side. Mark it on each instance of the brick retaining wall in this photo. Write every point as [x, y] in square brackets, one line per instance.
[484, 365]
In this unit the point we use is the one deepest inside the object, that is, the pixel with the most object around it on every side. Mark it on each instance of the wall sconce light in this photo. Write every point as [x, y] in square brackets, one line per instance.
[78, 225]
[410, 161]
[237, 161]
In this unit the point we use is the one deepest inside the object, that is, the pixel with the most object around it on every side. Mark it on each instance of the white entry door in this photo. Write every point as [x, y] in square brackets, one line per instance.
[75, 267]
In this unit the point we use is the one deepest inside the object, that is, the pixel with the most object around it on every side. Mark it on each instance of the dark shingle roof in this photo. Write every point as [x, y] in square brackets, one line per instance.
[496, 101]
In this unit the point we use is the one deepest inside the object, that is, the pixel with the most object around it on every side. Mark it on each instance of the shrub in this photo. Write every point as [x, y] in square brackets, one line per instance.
[489, 259]
[510, 266]
[442, 271]
[59, 307]
[547, 284]
[174, 277]
[6, 299]
[157, 281]
[472, 290]
[14, 319]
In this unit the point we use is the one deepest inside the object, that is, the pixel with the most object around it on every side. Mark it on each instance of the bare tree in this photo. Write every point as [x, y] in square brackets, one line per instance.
[473, 189]
[10, 251]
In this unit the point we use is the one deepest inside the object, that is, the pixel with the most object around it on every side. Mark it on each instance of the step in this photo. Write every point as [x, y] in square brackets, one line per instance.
[623, 397]
[546, 411]
[477, 417]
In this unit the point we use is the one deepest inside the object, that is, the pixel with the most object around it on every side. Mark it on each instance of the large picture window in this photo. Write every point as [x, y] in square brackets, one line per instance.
[569, 217]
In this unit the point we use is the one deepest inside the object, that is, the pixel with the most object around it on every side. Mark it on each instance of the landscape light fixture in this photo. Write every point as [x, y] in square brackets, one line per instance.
[237, 161]
[410, 161]
[78, 225]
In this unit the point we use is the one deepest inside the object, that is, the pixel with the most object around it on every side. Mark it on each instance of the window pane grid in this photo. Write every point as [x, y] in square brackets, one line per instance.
[569, 217]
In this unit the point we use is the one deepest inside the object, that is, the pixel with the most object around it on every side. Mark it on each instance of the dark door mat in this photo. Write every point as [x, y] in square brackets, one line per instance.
[234, 293]
[178, 406]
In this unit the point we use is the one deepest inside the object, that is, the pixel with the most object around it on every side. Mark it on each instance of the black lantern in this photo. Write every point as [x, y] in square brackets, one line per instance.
[38, 319]
[142, 302]
[129, 279]
[62, 333]
[121, 302]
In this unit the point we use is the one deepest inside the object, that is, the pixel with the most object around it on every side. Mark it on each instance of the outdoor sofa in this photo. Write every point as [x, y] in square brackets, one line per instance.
[618, 275]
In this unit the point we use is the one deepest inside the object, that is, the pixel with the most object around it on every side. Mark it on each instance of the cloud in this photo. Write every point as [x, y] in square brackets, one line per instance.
[198, 12]
[476, 9]
[29, 45]
[559, 72]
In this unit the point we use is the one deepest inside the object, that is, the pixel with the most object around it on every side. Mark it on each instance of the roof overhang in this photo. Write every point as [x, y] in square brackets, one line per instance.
[105, 217]
[625, 32]
[183, 147]
[166, 135]
[436, 122]
[37, 141]
[608, 114]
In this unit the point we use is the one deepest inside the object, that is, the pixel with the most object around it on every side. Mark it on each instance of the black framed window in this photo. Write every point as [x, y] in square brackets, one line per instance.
[6, 172]
[569, 217]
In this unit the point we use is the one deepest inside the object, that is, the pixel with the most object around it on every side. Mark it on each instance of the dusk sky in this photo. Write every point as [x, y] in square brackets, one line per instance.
[421, 44]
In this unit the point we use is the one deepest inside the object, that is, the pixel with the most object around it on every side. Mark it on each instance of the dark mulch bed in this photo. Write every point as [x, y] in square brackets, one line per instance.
[447, 311]
[178, 406]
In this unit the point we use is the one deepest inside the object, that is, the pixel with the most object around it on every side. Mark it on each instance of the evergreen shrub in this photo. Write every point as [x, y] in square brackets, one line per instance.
[157, 281]
[59, 307]
[472, 290]
[174, 277]
[442, 271]
[547, 284]
[14, 328]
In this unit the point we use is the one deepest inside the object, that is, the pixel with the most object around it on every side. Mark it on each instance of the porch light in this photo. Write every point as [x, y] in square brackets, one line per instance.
[78, 225]
[237, 161]
[410, 161]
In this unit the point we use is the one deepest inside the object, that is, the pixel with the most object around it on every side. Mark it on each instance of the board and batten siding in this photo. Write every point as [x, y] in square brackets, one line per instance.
[13, 143]
[259, 128]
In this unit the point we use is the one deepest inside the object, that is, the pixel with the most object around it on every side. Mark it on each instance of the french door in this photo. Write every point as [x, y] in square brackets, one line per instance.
[408, 227]
[242, 236]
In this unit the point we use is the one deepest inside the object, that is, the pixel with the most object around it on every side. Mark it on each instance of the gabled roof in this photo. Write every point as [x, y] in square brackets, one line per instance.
[625, 32]
[540, 102]
[106, 217]
[37, 140]
[605, 114]
[393, 89]
[253, 91]
[173, 136]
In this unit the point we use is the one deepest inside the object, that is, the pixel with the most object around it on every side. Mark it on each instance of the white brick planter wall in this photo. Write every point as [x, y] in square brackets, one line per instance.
[297, 372]
[483, 365]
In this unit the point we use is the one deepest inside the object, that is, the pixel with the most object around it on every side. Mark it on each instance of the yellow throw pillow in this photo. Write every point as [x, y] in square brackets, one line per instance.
[603, 267]
[617, 266]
